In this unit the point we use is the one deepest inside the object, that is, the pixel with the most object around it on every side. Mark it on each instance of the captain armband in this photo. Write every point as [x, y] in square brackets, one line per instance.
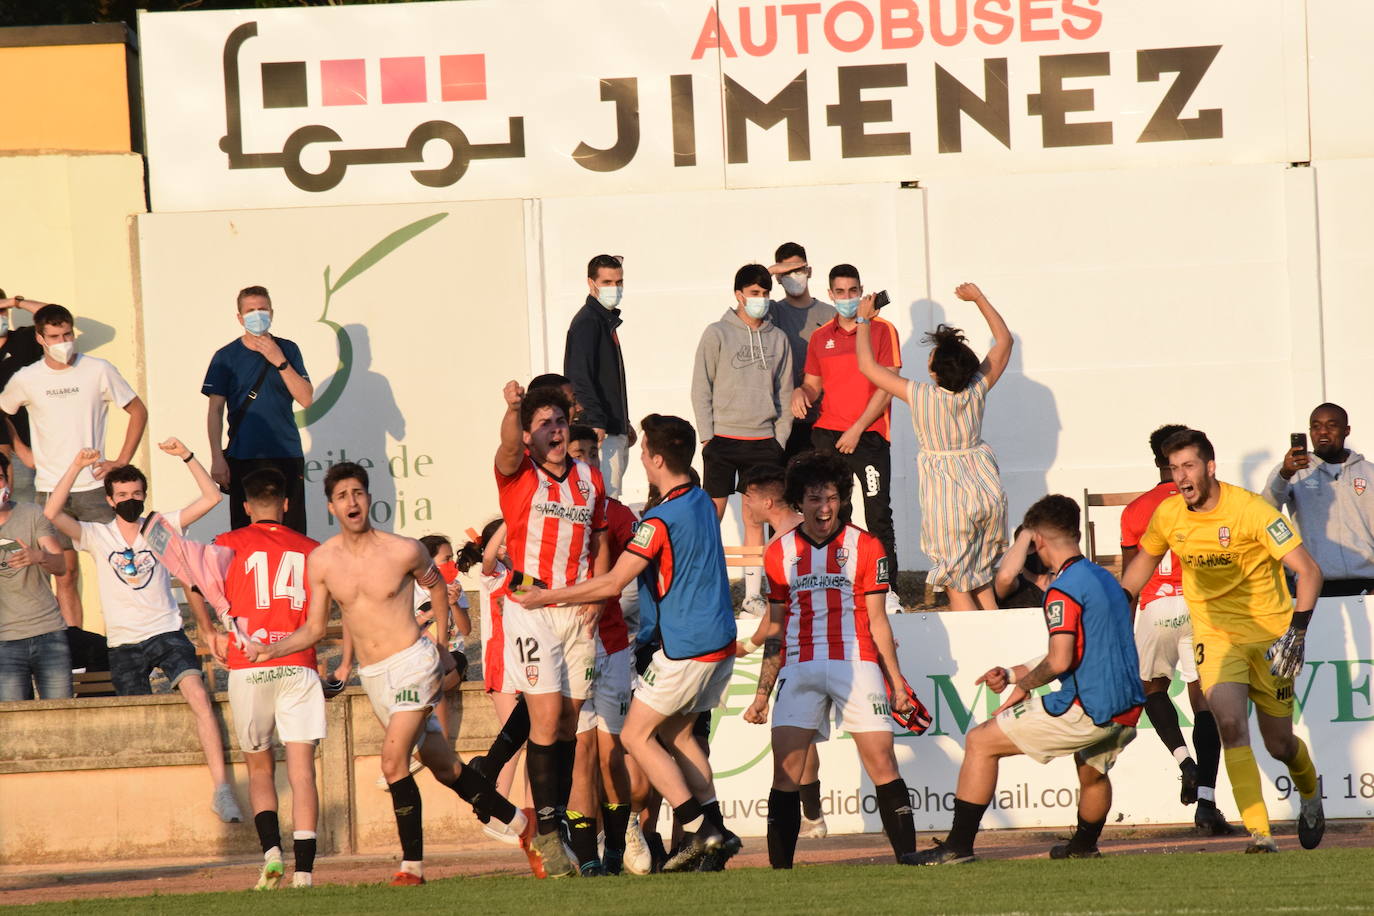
[772, 646]
[430, 577]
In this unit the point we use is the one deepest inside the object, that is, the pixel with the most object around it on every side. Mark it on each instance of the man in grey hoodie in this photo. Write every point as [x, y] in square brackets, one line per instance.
[742, 394]
[1332, 500]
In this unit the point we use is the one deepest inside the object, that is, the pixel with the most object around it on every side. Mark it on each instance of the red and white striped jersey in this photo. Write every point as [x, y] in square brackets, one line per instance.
[824, 586]
[494, 589]
[550, 520]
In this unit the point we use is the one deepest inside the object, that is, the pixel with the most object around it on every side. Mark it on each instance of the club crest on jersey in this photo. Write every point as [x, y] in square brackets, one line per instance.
[532, 674]
[1360, 485]
[842, 556]
[1224, 536]
[1279, 531]
[584, 488]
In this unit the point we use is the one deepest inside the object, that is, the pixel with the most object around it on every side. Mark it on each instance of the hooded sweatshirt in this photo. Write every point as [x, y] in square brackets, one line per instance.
[742, 381]
[1333, 505]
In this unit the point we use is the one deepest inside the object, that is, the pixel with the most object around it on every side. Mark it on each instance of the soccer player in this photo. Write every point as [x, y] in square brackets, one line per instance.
[1247, 638]
[685, 606]
[266, 588]
[555, 512]
[1164, 642]
[371, 574]
[1091, 716]
[828, 582]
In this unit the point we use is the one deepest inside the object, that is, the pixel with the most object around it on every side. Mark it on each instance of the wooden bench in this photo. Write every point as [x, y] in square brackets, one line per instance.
[744, 556]
[1112, 561]
[92, 684]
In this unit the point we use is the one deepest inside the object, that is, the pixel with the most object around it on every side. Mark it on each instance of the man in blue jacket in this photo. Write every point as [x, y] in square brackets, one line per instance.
[592, 361]
[1091, 716]
[684, 601]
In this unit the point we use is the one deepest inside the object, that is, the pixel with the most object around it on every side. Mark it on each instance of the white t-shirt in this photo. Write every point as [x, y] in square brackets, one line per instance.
[140, 605]
[67, 411]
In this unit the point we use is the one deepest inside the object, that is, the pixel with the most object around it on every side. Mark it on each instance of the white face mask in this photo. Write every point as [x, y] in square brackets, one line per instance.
[756, 306]
[609, 296]
[4, 494]
[62, 351]
[794, 284]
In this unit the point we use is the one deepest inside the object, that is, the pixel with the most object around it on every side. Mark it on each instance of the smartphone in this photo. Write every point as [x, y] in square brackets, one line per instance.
[1298, 441]
[880, 299]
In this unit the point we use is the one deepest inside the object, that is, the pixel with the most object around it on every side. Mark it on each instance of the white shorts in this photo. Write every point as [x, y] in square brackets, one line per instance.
[1043, 737]
[549, 651]
[675, 687]
[284, 698]
[1164, 639]
[406, 681]
[605, 709]
[808, 691]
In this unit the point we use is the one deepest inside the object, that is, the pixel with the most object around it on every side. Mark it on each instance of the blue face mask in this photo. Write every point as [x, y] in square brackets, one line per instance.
[609, 296]
[756, 306]
[847, 308]
[257, 322]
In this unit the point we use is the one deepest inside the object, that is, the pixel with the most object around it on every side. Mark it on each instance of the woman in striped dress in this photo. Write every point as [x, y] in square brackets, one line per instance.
[963, 505]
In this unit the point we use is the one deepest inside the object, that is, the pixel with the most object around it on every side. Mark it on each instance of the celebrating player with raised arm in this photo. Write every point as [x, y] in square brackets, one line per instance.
[371, 574]
[1247, 638]
[828, 582]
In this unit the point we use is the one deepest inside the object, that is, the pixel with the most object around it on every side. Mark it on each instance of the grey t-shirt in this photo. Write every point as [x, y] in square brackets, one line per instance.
[797, 325]
[28, 607]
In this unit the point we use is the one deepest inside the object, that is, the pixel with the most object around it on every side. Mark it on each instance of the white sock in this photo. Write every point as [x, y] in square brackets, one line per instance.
[413, 868]
[753, 582]
[1181, 754]
[303, 835]
[1206, 793]
[272, 855]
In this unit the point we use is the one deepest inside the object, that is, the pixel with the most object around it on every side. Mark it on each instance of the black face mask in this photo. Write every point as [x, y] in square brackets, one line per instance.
[129, 509]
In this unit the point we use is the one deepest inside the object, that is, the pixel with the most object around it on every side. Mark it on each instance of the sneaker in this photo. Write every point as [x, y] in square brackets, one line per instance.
[937, 854]
[693, 847]
[405, 879]
[1208, 821]
[1187, 771]
[1261, 842]
[225, 805]
[813, 830]
[1065, 851]
[713, 860]
[553, 857]
[270, 876]
[502, 833]
[638, 859]
[1311, 822]
[755, 606]
[302, 879]
[894, 604]
[592, 869]
[613, 860]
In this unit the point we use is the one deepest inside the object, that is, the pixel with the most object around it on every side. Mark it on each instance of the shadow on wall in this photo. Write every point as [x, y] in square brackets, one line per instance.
[93, 334]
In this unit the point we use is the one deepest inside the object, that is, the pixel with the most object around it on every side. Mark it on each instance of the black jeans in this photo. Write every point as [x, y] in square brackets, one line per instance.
[294, 471]
[871, 462]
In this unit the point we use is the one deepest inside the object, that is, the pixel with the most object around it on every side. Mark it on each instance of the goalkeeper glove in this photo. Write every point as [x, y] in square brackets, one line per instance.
[1286, 654]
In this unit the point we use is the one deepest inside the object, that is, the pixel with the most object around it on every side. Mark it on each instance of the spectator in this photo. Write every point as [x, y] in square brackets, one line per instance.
[1331, 502]
[18, 348]
[593, 362]
[554, 380]
[797, 314]
[33, 636]
[66, 394]
[856, 415]
[1022, 578]
[142, 619]
[741, 392]
[257, 377]
[449, 709]
[965, 508]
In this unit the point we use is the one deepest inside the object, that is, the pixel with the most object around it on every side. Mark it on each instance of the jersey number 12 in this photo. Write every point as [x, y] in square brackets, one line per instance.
[289, 582]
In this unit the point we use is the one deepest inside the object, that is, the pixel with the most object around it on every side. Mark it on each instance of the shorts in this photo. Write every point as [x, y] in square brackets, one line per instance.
[549, 651]
[1164, 639]
[85, 506]
[405, 681]
[1221, 662]
[1043, 737]
[673, 687]
[605, 709]
[284, 698]
[725, 461]
[131, 664]
[497, 676]
[808, 691]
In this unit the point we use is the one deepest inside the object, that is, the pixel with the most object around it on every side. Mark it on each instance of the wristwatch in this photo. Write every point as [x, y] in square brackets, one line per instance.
[861, 320]
[284, 364]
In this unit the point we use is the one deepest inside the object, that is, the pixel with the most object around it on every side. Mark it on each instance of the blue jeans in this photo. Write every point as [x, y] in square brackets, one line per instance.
[45, 659]
[130, 665]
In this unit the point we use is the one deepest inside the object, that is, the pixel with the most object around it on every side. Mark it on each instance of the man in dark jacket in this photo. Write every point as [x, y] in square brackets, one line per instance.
[593, 362]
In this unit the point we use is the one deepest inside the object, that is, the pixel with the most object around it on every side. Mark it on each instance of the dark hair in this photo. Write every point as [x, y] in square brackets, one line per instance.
[265, 485]
[1033, 565]
[538, 398]
[603, 260]
[1159, 437]
[768, 477]
[672, 439]
[470, 554]
[548, 380]
[581, 433]
[51, 315]
[788, 250]
[124, 474]
[432, 543]
[1055, 512]
[811, 470]
[750, 274]
[1345, 417]
[953, 362]
[252, 291]
[4, 459]
[344, 470]
[1186, 438]
[843, 270]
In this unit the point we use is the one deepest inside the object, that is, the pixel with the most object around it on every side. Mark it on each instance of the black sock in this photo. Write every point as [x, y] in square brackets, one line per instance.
[688, 815]
[1085, 837]
[582, 837]
[479, 792]
[967, 817]
[615, 821]
[541, 763]
[711, 811]
[1164, 717]
[811, 800]
[894, 807]
[1207, 745]
[515, 731]
[405, 802]
[304, 850]
[784, 824]
[567, 757]
[269, 830]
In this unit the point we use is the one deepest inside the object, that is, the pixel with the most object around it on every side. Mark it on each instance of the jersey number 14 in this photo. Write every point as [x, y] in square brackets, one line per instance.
[289, 583]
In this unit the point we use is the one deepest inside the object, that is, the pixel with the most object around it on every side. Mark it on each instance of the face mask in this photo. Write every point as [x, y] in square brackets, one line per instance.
[4, 494]
[609, 296]
[756, 306]
[4, 322]
[794, 284]
[129, 509]
[62, 351]
[257, 322]
[449, 571]
[847, 308]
